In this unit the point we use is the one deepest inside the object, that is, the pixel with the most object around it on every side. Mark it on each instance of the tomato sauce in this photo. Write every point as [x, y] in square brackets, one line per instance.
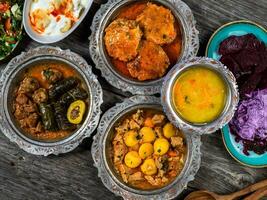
[36, 71]
[64, 10]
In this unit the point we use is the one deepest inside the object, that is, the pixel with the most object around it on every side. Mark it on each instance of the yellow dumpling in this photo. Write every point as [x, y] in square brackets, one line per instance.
[169, 130]
[132, 159]
[149, 167]
[147, 134]
[161, 146]
[145, 150]
[67, 26]
[130, 138]
[68, 5]
[40, 19]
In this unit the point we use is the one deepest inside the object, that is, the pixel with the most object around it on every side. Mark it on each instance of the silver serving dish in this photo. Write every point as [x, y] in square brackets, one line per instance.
[231, 102]
[103, 18]
[12, 74]
[51, 38]
[101, 154]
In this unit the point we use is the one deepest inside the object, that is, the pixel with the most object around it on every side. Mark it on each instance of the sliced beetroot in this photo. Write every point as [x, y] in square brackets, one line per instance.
[231, 45]
[263, 62]
[262, 47]
[251, 42]
[250, 85]
[242, 79]
[229, 62]
[263, 82]
[247, 59]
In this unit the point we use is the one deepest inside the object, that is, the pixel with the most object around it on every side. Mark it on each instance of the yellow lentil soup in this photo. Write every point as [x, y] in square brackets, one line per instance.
[199, 95]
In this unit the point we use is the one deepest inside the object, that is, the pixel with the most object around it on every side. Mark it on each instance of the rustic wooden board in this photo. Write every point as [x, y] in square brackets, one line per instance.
[73, 176]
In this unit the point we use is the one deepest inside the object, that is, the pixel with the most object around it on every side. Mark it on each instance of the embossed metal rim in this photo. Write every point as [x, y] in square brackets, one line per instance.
[120, 82]
[231, 104]
[169, 192]
[91, 122]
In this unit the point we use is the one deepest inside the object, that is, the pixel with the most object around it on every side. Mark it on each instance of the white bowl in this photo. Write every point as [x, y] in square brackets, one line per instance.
[45, 39]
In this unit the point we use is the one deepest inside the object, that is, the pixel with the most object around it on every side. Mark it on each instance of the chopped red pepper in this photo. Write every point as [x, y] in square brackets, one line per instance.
[4, 7]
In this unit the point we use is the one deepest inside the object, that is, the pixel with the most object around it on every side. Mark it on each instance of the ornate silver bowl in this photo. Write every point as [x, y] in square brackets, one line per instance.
[108, 12]
[230, 105]
[102, 158]
[12, 74]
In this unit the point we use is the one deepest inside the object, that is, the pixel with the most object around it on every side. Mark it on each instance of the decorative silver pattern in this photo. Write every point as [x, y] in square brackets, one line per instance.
[96, 47]
[91, 122]
[118, 187]
[231, 104]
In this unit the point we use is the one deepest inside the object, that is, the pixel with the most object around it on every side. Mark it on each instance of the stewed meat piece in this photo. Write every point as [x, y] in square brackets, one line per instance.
[52, 75]
[19, 112]
[151, 63]
[137, 176]
[158, 24]
[40, 96]
[22, 99]
[177, 141]
[158, 119]
[30, 107]
[28, 85]
[122, 39]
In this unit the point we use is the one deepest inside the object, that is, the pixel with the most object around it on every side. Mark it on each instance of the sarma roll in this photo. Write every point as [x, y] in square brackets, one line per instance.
[48, 118]
[72, 95]
[61, 118]
[62, 87]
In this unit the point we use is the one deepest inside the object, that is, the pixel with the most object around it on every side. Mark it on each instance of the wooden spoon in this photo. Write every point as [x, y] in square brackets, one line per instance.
[207, 195]
[258, 194]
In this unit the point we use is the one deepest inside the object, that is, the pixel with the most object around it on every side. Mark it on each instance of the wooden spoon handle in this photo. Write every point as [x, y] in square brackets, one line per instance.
[249, 189]
[258, 194]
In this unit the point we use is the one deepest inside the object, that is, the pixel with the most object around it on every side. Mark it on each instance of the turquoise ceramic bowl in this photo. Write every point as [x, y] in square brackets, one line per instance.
[237, 28]
[236, 151]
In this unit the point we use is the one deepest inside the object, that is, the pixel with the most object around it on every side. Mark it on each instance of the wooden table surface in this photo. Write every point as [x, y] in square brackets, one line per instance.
[73, 176]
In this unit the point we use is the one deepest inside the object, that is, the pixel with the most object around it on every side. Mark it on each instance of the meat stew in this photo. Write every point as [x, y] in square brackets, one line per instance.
[37, 105]
[147, 152]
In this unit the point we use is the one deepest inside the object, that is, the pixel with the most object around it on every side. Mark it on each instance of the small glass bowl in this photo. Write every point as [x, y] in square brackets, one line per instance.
[98, 53]
[102, 159]
[9, 80]
[230, 105]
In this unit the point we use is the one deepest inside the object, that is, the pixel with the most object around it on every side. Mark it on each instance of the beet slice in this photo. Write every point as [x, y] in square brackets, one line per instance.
[231, 45]
[229, 62]
[251, 42]
[263, 62]
[262, 47]
[263, 83]
[250, 85]
[248, 59]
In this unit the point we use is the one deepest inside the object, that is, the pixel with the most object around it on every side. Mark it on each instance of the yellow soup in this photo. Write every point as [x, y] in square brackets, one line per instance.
[199, 95]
